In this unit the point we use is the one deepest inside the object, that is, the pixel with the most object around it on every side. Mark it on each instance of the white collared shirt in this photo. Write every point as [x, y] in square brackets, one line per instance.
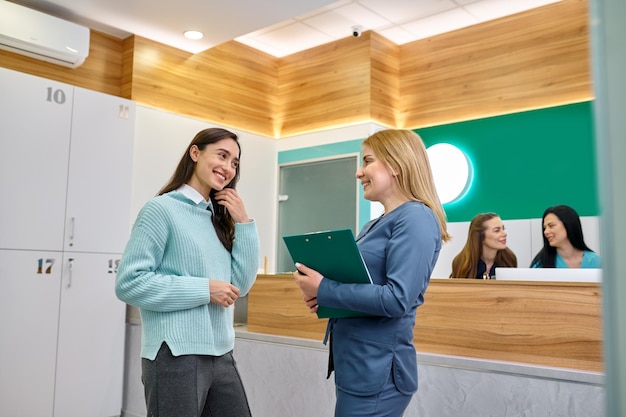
[194, 195]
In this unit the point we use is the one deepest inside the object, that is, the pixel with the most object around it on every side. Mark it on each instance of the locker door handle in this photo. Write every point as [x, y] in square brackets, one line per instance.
[72, 224]
[69, 275]
[124, 112]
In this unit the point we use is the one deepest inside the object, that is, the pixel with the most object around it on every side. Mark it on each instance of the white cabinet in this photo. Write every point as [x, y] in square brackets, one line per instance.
[99, 183]
[35, 122]
[65, 182]
[29, 310]
[90, 360]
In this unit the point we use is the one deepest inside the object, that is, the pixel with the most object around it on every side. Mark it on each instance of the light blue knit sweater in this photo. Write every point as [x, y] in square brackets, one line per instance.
[172, 253]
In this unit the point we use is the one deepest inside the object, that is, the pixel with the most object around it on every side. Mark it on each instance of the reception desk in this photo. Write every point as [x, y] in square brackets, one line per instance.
[555, 324]
[484, 348]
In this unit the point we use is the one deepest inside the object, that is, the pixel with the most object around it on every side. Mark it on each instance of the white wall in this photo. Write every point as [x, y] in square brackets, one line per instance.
[341, 134]
[160, 140]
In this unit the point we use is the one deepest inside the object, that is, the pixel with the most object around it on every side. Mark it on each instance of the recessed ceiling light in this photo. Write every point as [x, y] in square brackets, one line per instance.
[193, 34]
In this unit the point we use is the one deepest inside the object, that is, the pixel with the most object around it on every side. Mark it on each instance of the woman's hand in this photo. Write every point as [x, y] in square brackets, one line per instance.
[309, 282]
[229, 198]
[223, 293]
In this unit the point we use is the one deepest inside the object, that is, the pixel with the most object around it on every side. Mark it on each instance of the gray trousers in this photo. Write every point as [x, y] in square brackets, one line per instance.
[193, 386]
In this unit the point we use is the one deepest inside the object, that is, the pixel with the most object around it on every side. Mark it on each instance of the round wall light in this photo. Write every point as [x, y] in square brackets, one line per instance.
[452, 171]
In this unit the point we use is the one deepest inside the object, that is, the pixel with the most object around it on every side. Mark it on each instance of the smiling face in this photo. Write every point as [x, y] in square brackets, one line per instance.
[378, 180]
[495, 235]
[554, 230]
[216, 165]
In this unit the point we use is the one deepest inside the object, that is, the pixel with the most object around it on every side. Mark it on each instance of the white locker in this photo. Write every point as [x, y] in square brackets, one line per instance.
[99, 185]
[29, 310]
[65, 181]
[35, 121]
[90, 360]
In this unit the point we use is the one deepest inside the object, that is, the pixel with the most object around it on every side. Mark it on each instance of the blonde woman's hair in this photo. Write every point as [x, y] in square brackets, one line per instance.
[404, 152]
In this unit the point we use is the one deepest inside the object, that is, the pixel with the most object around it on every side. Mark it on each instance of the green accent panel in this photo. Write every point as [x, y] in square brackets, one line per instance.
[525, 162]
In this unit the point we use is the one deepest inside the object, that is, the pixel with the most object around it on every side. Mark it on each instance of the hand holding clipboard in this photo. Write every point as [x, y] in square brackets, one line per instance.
[335, 255]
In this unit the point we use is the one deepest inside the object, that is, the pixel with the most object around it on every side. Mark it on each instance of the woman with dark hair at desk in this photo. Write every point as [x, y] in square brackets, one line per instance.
[563, 242]
[484, 250]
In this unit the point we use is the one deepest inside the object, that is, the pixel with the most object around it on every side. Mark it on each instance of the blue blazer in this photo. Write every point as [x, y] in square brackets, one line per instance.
[400, 250]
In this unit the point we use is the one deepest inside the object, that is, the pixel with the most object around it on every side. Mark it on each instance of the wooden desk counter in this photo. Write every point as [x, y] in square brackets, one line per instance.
[556, 324]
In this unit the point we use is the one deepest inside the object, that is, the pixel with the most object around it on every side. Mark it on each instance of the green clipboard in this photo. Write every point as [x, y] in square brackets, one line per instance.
[334, 254]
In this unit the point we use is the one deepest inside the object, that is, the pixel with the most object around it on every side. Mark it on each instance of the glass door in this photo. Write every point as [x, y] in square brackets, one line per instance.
[314, 196]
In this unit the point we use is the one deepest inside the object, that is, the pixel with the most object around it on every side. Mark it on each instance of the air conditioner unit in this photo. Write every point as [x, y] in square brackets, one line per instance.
[38, 35]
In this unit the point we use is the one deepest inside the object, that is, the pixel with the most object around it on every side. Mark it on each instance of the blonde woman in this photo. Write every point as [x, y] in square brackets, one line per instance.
[373, 356]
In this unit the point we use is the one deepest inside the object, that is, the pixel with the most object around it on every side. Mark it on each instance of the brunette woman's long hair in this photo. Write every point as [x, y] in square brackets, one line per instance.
[465, 264]
[222, 220]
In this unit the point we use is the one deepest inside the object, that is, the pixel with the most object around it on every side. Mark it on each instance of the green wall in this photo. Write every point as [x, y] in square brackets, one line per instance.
[522, 162]
[525, 162]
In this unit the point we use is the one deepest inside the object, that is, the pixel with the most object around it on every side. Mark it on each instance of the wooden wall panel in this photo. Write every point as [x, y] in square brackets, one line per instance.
[325, 86]
[540, 323]
[128, 54]
[530, 60]
[384, 82]
[275, 307]
[101, 71]
[231, 84]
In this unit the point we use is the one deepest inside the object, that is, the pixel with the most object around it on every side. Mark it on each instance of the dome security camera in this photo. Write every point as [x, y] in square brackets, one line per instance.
[357, 30]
